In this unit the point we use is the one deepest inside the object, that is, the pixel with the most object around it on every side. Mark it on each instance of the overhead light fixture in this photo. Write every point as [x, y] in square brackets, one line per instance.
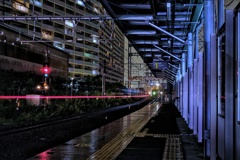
[169, 11]
[169, 43]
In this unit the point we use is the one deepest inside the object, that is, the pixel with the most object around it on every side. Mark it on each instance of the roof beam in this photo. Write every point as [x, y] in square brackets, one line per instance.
[148, 50]
[49, 18]
[169, 73]
[145, 42]
[166, 32]
[135, 6]
[167, 52]
[173, 66]
[151, 32]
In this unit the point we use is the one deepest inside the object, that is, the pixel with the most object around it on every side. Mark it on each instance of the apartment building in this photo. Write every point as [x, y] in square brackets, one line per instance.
[94, 46]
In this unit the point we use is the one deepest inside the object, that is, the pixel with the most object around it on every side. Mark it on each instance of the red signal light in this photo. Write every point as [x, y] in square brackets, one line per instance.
[46, 70]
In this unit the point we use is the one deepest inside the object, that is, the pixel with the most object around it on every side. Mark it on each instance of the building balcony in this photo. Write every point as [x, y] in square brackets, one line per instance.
[79, 45]
[91, 31]
[60, 22]
[79, 36]
[49, 27]
[59, 30]
[35, 34]
[58, 39]
[7, 4]
[84, 63]
[92, 24]
[91, 56]
[60, 3]
[79, 11]
[75, 53]
[49, 8]
[82, 71]
[96, 49]
[70, 7]
[58, 11]
[37, 24]
[95, 2]
[50, 0]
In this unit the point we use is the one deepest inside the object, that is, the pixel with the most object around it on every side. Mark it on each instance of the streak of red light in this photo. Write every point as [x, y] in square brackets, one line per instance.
[70, 97]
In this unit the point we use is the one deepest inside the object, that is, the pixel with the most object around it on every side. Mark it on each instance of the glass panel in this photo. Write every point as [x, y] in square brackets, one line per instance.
[221, 73]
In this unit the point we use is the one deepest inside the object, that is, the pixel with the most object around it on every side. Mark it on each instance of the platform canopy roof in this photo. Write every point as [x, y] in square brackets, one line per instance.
[157, 29]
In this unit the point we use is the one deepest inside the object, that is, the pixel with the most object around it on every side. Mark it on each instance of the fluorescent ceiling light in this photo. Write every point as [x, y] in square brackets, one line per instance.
[169, 11]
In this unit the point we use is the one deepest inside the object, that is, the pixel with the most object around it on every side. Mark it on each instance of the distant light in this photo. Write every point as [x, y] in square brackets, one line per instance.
[157, 84]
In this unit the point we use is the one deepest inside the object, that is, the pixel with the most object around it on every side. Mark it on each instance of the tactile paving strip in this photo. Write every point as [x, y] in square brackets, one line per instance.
[173, 146]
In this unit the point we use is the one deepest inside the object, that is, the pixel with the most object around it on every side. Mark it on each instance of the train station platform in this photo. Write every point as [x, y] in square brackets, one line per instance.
[165, 135]
[157, 131]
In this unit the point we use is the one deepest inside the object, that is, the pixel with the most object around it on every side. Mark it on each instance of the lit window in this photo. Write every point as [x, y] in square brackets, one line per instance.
[68, 31]
[69, 23]
[80, 2]
[36, 2]
[96, 10]
[95, 39]
[47, 34]
[59, 45]
[21, 7]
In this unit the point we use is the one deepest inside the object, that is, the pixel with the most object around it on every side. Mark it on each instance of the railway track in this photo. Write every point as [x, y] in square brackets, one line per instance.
[23, 141]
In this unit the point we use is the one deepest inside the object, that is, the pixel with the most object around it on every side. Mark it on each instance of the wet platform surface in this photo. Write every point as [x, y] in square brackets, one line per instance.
[152, 132]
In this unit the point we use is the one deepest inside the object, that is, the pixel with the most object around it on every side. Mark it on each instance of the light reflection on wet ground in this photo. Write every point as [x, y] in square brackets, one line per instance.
[84, 146]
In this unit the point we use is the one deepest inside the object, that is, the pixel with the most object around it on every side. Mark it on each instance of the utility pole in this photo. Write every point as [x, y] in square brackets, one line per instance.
[103, 70]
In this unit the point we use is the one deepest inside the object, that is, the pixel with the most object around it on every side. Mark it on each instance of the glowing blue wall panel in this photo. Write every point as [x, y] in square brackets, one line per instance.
[195, 96]
[190, 97]
[185, 98]
[200, 97]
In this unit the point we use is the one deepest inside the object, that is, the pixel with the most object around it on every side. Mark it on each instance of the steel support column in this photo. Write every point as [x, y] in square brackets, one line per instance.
[229, 86]
[190, 79]
[183, 64]
[200, 97]
[220, 13]
[208, 30]
[195, 96]
[213, 99]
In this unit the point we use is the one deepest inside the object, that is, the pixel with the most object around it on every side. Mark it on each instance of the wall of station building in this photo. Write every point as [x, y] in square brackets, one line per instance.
[217, 127]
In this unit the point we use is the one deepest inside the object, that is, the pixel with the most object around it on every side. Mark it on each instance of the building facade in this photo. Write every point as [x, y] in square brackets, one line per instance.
[91, 44]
